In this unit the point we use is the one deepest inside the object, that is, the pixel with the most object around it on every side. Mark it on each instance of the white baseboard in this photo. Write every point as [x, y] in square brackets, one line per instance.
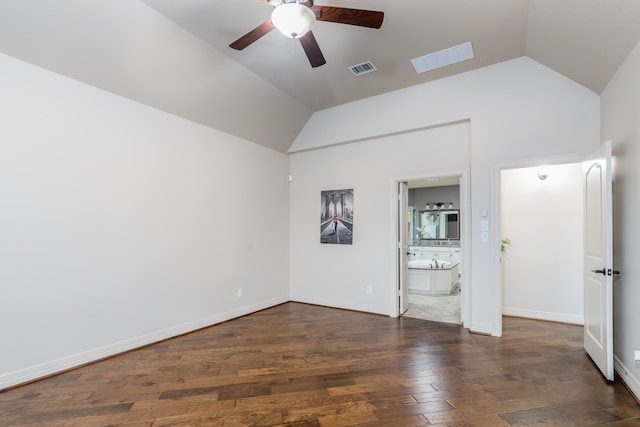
[627, 377]
[42, 370]
[544, 315]
[341, 304]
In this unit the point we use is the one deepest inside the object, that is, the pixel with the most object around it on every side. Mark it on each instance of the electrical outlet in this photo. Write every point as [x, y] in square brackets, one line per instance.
[636, 356]
[369, 290]
[239, 292]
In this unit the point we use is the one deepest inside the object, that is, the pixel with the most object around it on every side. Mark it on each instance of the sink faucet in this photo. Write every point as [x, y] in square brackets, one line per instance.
[435, 261]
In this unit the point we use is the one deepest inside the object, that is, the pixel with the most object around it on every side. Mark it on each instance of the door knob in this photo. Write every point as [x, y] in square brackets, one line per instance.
[603, 272]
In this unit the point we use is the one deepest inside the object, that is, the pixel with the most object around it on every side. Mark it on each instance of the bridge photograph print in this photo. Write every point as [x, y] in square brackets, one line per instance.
[336, 217]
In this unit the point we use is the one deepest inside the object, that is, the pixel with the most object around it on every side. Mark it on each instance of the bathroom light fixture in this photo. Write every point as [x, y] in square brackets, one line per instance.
[439, 205]
[294, 20]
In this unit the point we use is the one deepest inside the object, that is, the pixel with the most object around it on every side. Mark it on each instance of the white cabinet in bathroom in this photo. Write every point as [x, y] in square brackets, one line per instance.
[440, 254]
[446, 253]
[419, 252]
[455, 255]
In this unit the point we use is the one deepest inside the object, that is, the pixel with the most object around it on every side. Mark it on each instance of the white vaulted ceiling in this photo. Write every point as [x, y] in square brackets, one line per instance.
[174, 54]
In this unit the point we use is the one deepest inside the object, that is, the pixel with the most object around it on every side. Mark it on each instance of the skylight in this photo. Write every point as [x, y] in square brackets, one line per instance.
[452, 55]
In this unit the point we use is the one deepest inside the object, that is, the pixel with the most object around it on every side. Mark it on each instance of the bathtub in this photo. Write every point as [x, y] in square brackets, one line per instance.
[429, 263]
[425, 278]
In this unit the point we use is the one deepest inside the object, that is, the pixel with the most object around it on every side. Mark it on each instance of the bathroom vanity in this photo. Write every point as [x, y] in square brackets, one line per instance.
[437, 251]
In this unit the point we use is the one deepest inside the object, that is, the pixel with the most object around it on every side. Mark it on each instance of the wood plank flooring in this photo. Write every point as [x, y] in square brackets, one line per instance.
[303, 365]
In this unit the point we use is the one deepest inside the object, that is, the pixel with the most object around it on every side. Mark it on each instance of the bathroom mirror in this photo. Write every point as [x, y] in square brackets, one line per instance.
[435, 224]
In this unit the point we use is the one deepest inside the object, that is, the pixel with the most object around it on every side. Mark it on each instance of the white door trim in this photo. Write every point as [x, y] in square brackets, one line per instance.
[465, 239]
[496, 224]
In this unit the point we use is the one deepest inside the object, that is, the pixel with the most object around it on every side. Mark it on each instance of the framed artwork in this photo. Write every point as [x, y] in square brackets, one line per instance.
[336, 217]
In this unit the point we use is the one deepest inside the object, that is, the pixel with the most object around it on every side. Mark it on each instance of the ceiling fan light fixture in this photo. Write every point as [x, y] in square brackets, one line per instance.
[294, 20]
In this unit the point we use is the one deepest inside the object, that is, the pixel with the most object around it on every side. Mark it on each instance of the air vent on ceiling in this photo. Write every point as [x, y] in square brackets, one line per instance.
[445, 57]
[363, 68]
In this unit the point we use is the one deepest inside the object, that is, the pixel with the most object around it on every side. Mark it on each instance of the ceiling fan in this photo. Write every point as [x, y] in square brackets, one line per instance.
[296, 18]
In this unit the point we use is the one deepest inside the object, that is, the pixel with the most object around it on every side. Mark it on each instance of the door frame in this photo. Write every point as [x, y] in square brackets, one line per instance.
[403, 247]
[496, 233]
[465, 240]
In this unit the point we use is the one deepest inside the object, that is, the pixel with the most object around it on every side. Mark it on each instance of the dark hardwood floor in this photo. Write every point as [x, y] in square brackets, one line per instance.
[303, 365]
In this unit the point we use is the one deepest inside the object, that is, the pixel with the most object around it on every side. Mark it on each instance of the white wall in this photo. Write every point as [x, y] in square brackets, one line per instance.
[542, 269]
[419, 197]
[122, 225]
[130, 49]
[621, 125]
[338, 275]
[518, 109]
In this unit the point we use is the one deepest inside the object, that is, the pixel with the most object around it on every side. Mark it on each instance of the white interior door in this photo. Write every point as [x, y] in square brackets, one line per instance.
[403, 246]
[598, 259]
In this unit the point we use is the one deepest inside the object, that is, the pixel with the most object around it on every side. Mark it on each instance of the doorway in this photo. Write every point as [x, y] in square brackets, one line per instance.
[580, 207]
[431, 280]
[541, 225]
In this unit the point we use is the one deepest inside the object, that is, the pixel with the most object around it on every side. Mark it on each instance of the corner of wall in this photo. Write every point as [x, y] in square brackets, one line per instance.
[627, 377]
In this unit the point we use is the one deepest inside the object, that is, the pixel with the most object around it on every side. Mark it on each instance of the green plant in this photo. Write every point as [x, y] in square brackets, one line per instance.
[504, 245]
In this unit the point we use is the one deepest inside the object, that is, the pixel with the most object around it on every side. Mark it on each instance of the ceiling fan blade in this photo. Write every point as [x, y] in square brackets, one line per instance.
[252, 35]
[311, 48]
[343, 15]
